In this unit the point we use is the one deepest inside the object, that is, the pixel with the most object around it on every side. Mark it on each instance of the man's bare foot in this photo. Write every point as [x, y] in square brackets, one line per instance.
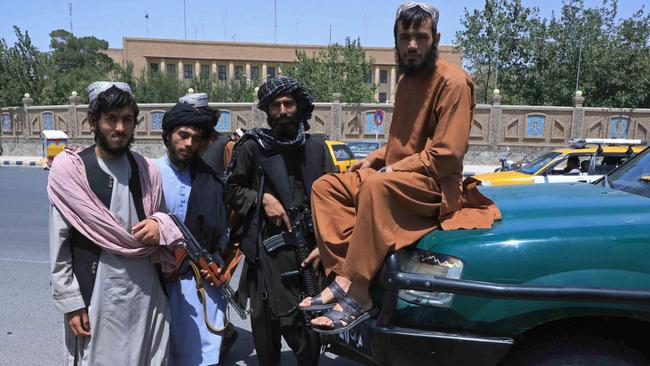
[326, 295]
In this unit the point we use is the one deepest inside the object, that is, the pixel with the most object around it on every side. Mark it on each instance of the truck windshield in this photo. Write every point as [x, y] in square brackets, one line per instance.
[633, 176]
[538, 163]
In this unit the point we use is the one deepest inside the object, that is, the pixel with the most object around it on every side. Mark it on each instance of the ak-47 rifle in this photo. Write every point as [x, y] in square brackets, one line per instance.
[200, 258]
[275, 171]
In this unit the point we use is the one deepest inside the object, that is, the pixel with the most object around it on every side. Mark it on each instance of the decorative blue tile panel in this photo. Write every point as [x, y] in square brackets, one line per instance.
[535, 125]
[619, 128]
[223, 125]
[6, 122]
[374, 123]
[156, 121]
[47, 120]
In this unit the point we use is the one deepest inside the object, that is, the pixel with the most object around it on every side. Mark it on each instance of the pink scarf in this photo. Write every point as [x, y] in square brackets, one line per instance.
[69, 191]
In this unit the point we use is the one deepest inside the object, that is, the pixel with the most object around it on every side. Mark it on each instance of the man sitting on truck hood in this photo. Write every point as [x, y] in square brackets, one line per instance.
[421, 188]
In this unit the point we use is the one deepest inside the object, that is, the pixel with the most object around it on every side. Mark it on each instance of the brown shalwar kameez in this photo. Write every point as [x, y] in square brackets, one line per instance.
[360, 217]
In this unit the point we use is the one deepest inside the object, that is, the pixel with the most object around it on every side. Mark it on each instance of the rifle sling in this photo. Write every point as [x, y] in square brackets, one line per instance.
[201, 292]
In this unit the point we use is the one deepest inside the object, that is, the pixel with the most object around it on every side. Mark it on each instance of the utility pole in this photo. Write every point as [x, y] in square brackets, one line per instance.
[330, 42]
[70, 13]
[184, 20]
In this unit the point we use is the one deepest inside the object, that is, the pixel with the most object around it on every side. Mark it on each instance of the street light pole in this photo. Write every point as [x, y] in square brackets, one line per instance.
[184, 20]
[579, 62]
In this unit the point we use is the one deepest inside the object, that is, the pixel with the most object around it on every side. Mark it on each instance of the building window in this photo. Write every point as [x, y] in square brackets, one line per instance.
[255, 73]
[383, 76]
[187, 71]
[154, 67]
[156, 121]
[270, 71]
[382, 97]
[368, 77]
[221, 72]
[171, 71]
[239, 72]
[205, 72]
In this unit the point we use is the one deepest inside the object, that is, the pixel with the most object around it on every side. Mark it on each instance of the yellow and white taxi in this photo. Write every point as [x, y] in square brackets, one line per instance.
[585, 160]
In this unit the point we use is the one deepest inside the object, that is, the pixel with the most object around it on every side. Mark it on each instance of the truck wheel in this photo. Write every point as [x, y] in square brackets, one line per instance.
[576, 350]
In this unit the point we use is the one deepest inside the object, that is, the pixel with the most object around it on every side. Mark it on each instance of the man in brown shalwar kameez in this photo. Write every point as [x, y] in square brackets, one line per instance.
[360, 217]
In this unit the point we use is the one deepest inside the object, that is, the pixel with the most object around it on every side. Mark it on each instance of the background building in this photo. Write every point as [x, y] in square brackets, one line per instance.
[225, 61]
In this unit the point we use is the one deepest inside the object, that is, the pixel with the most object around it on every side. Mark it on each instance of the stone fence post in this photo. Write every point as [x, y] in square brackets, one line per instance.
[73, 124]
[578, 115]
[27, 102]
[337, 111]
[495, 118]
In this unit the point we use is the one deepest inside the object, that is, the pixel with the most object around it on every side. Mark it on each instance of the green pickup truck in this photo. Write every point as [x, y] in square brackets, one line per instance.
[563, 279]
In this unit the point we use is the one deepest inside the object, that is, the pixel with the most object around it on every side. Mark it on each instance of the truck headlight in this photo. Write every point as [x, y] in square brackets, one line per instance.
[420, 261]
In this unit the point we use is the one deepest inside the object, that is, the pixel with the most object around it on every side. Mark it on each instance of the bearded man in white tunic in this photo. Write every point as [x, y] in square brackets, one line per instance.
[110, 241]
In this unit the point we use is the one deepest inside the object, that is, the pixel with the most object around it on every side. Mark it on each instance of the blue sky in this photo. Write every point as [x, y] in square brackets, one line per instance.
[298, 22]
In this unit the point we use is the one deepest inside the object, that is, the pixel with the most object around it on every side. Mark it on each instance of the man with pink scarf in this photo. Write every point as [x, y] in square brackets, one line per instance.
[110, 241]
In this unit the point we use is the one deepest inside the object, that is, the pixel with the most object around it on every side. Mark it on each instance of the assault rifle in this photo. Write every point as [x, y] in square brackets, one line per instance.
[275, 171]
[200, 257]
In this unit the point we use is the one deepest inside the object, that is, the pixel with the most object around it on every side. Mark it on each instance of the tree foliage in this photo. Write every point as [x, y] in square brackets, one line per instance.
[24, 69]
[538, 58]
[337, 69]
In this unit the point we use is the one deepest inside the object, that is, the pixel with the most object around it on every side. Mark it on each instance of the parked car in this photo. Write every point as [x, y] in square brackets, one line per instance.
[562, 279]
[342, 156]
[585, 160]
[361, 148]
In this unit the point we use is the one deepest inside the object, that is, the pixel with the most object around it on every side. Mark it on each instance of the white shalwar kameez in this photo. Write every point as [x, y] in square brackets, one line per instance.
[128, 312]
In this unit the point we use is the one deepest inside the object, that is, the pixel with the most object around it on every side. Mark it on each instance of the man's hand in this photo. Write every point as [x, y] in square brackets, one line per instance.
[147, 232]
[360, 164]
[78, 322]
[274, 211]
[314, 257]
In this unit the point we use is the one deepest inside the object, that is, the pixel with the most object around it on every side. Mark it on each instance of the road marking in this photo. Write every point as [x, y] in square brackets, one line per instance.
[23, 260]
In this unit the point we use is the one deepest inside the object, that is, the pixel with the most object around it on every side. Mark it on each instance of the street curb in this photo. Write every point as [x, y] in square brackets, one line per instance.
[20, 163]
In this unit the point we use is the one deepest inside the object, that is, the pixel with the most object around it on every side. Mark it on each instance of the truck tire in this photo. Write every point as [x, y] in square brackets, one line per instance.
[576, 350]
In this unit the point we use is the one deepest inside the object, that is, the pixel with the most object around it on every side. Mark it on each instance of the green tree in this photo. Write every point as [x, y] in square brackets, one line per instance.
[538, 58]
[78, 61]
[495, 43]
[23, 69]
[338, 69]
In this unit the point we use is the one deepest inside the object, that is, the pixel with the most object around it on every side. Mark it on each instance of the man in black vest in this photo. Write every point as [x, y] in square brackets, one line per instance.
[107, 229]
[195, 194]
[274, 299]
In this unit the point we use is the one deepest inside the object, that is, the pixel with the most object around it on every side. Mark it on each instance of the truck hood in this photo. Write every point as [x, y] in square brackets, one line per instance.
[571, 213]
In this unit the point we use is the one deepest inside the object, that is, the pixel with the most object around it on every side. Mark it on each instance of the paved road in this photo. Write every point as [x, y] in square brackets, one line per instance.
[31, 329]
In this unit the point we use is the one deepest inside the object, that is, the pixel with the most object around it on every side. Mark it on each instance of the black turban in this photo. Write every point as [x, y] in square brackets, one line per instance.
[184, 114]
[283, 85]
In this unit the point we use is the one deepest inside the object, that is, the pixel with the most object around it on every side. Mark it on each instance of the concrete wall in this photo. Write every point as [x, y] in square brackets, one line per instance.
[529, 130]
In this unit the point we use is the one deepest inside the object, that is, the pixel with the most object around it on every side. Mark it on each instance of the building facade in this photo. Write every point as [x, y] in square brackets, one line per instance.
[188, 60]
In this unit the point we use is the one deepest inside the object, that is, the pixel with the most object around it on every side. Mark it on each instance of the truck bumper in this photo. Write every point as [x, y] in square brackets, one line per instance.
[370, 343]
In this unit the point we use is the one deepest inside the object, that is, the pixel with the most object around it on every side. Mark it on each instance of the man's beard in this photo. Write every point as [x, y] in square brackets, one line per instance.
[283, 127]
[428, 63]
[178, 159]
[116, 152]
